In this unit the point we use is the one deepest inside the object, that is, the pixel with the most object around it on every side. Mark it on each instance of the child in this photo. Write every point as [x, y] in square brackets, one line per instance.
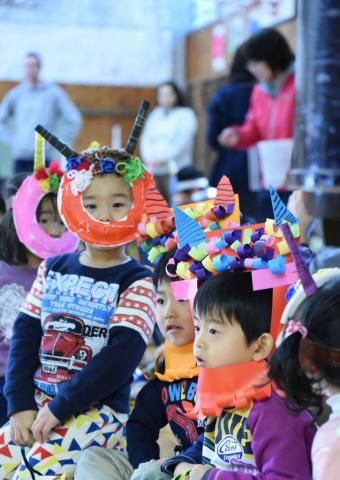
[84, 326]
[18, 264]
[164, 399]
[306, 366]
[259, 440]
[191, 186]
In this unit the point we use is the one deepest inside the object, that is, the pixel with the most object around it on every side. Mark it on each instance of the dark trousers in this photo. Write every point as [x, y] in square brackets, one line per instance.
[23, 165]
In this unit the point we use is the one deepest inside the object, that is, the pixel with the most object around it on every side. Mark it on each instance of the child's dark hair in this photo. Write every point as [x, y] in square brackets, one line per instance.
[269, 46]
[229, 297]
[12, 251]
[160, 272]
[320, 315]
[12, 184]
[95, 155]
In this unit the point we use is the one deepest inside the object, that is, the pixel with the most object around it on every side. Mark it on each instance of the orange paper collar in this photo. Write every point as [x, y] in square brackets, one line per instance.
[179, 363]
[231, 386]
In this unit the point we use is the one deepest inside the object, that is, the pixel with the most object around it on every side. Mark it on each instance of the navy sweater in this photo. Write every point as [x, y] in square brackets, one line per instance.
[228, 106]
[157, 404]
[79, 336]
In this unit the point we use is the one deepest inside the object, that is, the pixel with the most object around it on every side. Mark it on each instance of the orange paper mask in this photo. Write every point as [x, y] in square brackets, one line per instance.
[85, 227]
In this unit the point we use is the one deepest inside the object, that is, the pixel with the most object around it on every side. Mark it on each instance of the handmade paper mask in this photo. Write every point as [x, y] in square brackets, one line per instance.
[81, 169]
[25, 205]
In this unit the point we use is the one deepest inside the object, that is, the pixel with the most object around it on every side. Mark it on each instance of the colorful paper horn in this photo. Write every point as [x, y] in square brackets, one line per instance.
[280, 210]
[306, 278]
[189, 231]
[39, 153]
[155, 205]
[225, 194]
[56, 143]
[137, 127]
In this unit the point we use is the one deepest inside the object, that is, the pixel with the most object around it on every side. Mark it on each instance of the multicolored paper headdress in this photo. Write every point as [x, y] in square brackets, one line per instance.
[157, 231]
[26, 202]
[81, 168]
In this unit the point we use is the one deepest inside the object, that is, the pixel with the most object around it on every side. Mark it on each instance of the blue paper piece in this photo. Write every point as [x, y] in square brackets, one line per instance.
[223, 262]
[280, 210]
[189, 231]
[277, 265]
[259, 263]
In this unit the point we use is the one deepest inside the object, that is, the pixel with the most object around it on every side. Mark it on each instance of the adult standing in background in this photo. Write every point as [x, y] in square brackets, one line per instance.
[228, 106]
[271, 112]
[167, 141]
[31, 102]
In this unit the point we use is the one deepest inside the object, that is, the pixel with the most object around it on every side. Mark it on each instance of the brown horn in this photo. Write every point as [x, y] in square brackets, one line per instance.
[56, 143]
[137, 127]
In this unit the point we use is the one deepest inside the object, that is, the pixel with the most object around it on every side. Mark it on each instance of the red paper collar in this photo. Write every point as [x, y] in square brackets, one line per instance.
[231, 386]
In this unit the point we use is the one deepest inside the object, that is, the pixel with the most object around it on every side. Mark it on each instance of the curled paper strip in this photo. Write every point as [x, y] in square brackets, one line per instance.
[80, 180]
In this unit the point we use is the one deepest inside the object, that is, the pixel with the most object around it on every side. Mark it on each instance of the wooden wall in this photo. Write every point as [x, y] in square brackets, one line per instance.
[198, 49]
[101, 106]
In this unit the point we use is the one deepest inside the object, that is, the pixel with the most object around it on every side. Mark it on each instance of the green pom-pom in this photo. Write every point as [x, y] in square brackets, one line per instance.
[54, 182]
[131, 170]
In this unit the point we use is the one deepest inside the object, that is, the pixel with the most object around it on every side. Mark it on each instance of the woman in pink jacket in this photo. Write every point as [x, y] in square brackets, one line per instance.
[271, 112]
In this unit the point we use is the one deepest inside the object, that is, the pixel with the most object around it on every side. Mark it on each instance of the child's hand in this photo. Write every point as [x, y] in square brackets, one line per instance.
[198, 472]
[44, 423]
[21, 427]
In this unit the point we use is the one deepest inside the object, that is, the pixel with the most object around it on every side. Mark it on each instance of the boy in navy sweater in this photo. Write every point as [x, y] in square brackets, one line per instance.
[84, 326]
[163, 400]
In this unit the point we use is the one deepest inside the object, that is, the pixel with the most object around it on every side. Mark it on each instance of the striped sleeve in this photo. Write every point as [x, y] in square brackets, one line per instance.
[137, 308]
[32, 304]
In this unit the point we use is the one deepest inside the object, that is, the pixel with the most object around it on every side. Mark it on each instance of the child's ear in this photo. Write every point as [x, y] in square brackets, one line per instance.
[263, 347]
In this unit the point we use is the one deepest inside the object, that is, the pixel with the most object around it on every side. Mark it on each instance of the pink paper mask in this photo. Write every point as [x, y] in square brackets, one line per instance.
[25, 205]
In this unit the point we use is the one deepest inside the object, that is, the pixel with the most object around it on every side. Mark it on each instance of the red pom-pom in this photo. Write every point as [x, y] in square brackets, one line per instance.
[41, 174]
[55, 168]
[84, 165]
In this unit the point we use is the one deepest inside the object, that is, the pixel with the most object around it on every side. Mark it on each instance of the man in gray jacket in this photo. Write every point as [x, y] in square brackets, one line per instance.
[30, 103]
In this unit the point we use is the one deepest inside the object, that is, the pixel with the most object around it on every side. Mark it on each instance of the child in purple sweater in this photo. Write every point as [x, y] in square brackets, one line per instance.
[307, 363]
[258, 438]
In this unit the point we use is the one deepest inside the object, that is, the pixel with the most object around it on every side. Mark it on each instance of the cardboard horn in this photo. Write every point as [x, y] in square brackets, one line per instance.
[155, 205]
[137, 127]
[280, 210]
[189, 231]
[56, 143]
